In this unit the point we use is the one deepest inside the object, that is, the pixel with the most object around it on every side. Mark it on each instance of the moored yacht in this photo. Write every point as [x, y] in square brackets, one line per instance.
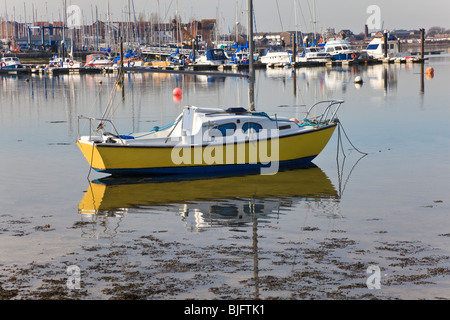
[340, 50]
[313, 54]
[10, 63]
[376, 48]
[212, 57]
[276, 56]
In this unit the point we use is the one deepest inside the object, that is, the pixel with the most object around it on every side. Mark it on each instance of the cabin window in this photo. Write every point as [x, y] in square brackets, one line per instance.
[372, 46]
[251, 126]
[284, 127]
[226, 129]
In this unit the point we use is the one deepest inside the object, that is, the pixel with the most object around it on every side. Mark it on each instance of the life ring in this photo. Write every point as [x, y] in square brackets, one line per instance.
[353, 56]
[187, 61]
[3, 64]
[244, 60]
[71, 63]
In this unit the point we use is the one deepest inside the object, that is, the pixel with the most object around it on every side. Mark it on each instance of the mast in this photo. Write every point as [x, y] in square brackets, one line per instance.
[6, 18]
[63, 44]
[314, 20]
[251, 71]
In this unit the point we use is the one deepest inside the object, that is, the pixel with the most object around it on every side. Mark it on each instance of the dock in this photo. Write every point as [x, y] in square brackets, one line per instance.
[36, 69]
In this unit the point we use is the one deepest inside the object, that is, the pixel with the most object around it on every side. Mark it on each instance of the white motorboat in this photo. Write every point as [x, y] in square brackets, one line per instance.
[340, 50]
[313, 54]
[276, 56]
[59, 62]
[376, 49]
[99, 60]
[10, 63]
[212, 57]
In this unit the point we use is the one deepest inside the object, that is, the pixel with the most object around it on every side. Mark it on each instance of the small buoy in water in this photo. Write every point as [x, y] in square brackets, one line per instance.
[430, 71]
[358, 79]
[26, 80]
[177, 92]
[100, 82]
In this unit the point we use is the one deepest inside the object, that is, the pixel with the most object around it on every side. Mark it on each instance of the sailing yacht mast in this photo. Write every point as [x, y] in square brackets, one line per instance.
[251, 70]
[314, 20]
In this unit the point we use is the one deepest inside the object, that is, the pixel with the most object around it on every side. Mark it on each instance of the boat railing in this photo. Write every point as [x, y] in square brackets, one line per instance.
[331, 109]
[100, 127]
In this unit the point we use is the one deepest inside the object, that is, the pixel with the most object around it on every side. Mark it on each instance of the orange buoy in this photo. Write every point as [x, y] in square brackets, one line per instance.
[430, 73]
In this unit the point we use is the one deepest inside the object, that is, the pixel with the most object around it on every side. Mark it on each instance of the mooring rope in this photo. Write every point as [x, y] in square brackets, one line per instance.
[348, 139]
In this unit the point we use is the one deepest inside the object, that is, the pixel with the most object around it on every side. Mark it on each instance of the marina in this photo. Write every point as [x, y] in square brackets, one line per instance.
[127, 176]
[36, 69]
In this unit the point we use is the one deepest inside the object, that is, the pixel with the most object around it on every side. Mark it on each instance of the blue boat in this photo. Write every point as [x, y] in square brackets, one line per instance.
[240, 56]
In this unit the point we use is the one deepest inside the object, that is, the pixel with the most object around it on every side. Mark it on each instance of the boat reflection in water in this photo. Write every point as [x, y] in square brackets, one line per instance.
[210, 201]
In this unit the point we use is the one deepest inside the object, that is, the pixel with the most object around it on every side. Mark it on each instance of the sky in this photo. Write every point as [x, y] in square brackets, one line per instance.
[270, 15]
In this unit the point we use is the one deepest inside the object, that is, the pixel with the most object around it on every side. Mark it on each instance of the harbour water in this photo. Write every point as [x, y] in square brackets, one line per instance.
[353, 226]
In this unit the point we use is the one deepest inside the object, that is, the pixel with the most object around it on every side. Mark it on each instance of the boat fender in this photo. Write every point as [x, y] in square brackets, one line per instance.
[3, 64]
[294, 120]
[71, 63]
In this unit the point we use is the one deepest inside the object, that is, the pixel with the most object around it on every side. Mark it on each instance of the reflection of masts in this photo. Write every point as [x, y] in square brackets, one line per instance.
[255, 248]
[422, 83]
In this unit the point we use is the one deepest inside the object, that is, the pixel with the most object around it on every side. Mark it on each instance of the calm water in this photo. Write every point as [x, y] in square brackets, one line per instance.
[308, 233]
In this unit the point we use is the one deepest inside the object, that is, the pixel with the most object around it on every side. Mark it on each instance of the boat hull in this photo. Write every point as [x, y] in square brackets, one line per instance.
[13, 67]
[286, 151]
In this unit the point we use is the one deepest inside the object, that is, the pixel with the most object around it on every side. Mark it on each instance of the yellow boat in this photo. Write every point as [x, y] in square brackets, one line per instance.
[211, 140]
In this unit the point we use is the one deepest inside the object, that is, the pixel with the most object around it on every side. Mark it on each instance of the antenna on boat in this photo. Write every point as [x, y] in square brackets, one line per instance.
[250, 57]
